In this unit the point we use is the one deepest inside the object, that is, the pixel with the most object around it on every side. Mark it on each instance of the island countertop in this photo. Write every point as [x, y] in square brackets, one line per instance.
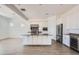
[37, 35]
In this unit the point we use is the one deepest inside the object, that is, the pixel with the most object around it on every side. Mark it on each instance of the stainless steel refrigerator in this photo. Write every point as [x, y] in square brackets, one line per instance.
[59, 33]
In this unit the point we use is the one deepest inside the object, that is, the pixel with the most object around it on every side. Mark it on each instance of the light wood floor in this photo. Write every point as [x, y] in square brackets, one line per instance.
[15, 47]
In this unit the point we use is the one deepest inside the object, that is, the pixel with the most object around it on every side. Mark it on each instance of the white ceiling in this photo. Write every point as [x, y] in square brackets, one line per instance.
[8, 13]
[39, 11]
[4, 11]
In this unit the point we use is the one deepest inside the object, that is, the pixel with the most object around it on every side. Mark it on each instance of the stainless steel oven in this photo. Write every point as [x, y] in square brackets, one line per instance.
[34, 29]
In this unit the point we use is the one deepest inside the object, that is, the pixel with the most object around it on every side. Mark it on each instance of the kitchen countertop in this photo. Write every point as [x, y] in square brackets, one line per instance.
[37, 35]
[73, 34]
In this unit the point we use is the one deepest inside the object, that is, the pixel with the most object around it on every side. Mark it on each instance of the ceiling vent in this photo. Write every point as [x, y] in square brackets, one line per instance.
[23, 9]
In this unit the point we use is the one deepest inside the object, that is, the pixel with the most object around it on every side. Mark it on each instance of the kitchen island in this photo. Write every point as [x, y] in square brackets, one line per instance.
[40, 39]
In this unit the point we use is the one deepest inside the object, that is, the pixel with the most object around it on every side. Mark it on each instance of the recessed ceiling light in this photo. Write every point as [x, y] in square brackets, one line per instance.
[61, 4]
[23, 9]
[40, 4]
[19, 4]
[46, 14]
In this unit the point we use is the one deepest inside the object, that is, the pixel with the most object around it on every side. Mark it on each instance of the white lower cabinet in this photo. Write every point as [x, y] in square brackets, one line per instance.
[66, 40]
[27, 40]
[36, 40]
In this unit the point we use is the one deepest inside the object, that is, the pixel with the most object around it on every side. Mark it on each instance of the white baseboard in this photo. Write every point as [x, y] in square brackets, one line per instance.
[9, 38]
[4, 38]
[15, 37]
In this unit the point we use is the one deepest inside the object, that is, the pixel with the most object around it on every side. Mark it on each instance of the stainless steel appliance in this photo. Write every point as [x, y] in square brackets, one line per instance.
[74, 41]
[59, 33]
[34, 29]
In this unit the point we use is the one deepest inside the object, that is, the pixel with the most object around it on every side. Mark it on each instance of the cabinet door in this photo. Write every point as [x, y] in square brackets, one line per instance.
[66, 40]
[40, 40]
[24, 40]
[29, 40]
[46, 40]
[34, 40]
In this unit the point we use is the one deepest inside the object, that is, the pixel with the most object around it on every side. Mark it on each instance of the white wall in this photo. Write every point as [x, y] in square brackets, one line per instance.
[13, 27]
[19, 27]
[4, 27]
[70, 21]
[52, 27]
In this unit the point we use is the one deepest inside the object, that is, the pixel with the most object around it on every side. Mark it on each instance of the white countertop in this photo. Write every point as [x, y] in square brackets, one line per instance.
[37, 35]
